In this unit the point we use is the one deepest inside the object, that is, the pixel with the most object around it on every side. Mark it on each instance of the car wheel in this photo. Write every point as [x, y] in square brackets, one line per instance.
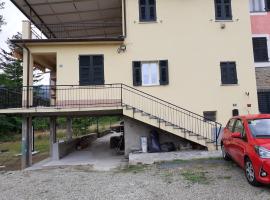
[250, 173]
[224, 153]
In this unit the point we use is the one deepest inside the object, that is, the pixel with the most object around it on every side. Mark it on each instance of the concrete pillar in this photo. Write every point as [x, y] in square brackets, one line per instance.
[28, 65]
[52, 134]
[26, 30]
[69, 128]
[26, 147]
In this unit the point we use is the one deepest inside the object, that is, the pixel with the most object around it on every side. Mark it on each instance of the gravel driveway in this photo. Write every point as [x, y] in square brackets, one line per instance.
[198, 179]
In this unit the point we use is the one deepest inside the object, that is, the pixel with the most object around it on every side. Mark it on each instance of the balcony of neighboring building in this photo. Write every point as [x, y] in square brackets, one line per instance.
[74, 20]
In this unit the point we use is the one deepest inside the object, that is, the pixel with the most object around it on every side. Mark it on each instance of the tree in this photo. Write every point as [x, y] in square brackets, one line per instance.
[11, 66]
[2, 21]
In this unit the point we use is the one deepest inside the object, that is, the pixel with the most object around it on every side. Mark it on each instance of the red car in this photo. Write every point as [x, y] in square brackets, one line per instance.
[246, 140]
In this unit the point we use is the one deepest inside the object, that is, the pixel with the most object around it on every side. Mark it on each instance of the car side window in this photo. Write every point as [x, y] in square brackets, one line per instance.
[239, 127]
[231, 125]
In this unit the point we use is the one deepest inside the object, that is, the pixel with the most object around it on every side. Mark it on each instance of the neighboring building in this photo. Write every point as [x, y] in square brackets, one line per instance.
[169, 55]
[260, 20]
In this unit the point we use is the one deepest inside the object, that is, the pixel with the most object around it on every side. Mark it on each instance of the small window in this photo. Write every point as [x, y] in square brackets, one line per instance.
[228, 73]
[235, 112]
[210, 115]
[257, 5]
[150, 73]
[260, 49]
[223, 9]
[147, 10]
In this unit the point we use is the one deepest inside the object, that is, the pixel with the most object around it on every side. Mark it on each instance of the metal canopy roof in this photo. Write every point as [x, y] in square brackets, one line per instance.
[74, 18]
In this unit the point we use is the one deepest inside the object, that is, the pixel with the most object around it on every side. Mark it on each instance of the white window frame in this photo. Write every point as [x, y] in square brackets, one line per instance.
[149, 63]
[257, 12]
[263, 64]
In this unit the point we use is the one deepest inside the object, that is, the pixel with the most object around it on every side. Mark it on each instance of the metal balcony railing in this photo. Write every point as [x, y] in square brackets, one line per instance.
[77, 30]
[111, 95]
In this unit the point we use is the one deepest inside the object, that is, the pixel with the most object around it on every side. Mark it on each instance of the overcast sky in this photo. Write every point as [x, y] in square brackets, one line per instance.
[13, 18]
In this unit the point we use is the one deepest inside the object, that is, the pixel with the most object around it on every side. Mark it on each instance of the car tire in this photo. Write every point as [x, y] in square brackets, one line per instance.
[250, 173]
[225, 155]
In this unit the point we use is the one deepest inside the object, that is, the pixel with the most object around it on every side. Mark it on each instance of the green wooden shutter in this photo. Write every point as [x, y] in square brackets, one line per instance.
[163, 72]
[137, 73]
[267, 5]
[260, 49]
[84, 70]
[98, 70]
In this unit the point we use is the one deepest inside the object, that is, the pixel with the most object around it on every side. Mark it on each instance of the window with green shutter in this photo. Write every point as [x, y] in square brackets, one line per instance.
[267, 5]
[150, 73]
[223, 9]
[228, 73]
[147, 10]
[260, 49]
[91, 69]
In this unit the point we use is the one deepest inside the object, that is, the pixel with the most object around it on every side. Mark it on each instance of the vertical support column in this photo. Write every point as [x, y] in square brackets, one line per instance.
[26, 29]
[52, 134]
[28, 64]
[26, 147]
[69, 128]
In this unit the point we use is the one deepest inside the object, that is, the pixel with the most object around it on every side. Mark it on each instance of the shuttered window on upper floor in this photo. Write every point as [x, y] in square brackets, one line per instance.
[147, 10]
[223, 9]
[228, 73]
[91, 69]
[150, 73]
[260, 49]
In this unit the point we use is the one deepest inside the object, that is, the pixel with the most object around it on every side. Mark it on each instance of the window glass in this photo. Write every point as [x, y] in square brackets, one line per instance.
[147, 10]
[210, 115]
[260, 128]
[223, 9]
[238, 127]
[228, 73]
[150, 73]
[257, 5]
[231, 124]
[260, 49]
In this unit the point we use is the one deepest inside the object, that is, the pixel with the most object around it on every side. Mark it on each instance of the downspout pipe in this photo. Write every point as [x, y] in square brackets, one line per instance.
[125, 18]
[28, 76]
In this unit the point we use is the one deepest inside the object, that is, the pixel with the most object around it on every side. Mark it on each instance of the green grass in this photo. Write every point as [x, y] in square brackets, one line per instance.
[195, 176]
[134, 168]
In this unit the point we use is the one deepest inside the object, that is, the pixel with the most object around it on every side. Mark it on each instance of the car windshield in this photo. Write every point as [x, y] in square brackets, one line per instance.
[260, 127]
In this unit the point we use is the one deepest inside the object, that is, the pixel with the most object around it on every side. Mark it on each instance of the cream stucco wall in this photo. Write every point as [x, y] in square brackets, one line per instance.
[186, 34]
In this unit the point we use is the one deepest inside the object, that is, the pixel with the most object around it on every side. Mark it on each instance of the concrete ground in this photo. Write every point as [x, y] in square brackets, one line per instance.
[151, 158]
[99, 156]
[188, 180]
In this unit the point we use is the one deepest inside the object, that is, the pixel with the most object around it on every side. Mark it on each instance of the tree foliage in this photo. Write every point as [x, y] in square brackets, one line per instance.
[2, 21]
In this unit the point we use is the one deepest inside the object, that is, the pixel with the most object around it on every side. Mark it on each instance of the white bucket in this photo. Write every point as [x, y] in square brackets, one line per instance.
[144, 144]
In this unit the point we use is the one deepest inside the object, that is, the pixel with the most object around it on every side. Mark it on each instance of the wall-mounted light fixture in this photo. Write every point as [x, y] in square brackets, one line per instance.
[122, 48]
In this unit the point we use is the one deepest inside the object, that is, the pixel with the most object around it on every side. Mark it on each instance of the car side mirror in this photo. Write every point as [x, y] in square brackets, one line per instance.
[237, 135]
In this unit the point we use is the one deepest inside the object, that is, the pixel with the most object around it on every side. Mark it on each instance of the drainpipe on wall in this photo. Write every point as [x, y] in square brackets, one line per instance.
[125, 20]
[27, 77]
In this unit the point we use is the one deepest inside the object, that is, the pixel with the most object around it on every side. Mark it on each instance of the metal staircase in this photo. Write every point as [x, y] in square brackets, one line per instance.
[134, 103]
[169, 117]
